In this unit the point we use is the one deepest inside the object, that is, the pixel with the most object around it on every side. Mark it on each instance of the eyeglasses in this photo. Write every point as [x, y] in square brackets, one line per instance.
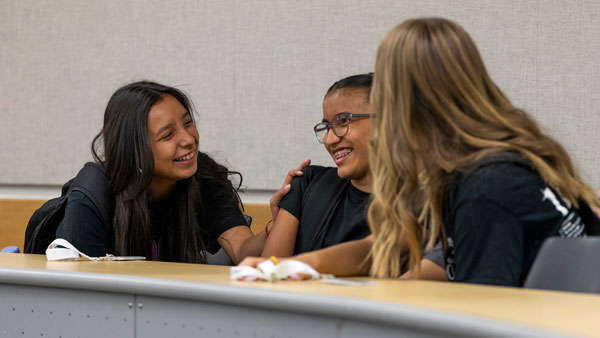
[339, 125]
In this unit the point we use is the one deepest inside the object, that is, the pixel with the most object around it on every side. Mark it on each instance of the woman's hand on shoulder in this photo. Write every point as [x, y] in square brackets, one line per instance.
[285, 188]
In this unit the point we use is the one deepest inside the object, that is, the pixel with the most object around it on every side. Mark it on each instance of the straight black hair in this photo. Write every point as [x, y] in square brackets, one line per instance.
[355, 81]
[129, 163]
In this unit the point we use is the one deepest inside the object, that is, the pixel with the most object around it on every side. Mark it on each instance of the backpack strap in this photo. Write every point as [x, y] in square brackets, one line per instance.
[92, 181]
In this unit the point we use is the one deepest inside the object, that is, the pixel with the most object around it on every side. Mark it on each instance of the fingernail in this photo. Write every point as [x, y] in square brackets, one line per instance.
[287, 187]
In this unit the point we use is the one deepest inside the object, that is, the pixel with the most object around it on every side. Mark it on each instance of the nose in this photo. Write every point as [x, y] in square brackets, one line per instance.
[330, 138]
[187, 138]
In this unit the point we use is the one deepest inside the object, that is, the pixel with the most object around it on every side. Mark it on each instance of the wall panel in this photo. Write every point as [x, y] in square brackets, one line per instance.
[257, 72]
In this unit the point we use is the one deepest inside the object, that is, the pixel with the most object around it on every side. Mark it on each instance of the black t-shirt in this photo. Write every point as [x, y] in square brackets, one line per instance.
[343, 218]
[496, 218]
[82, 224]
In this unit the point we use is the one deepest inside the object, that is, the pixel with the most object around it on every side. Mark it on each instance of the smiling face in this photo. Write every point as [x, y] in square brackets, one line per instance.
[351, 151]
[174, 139]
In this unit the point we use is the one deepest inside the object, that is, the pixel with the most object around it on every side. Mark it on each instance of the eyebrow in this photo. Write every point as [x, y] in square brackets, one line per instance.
[163, 128]
[170, 125]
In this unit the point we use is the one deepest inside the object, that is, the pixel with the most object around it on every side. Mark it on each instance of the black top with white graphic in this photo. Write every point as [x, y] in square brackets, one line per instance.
[496, 218]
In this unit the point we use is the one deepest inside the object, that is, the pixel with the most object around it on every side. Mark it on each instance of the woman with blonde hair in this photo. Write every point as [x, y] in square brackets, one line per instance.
[453, 159]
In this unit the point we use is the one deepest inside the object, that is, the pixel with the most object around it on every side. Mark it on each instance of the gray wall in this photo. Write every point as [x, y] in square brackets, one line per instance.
[257, 72]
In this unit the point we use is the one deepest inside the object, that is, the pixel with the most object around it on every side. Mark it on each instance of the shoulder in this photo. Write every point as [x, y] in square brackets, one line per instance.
[78, 197]
[92, 177]
[312, 172]
[81, 207]
[205, 158]
[504, 183]
[211, 175]
[313, 175]
[92, 182]
[302, 187]
[207, 166]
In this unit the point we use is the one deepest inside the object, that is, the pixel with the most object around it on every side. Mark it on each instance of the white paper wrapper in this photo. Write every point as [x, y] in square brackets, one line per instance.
[268, 271]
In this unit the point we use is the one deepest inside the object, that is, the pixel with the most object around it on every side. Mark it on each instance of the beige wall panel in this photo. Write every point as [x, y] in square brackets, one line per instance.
[288, 53]
[61, 61]
[257, 71]
[568, 80]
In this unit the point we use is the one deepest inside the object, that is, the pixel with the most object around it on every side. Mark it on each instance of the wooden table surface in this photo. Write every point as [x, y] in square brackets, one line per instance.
[571, 313]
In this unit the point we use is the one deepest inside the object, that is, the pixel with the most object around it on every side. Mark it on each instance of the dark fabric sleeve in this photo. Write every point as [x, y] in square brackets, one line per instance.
[488, 244]
[221, 211]
[83, 227]
[436, 255]
[292, 201]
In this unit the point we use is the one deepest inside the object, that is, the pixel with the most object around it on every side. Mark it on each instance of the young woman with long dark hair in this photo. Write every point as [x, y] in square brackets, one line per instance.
[171, 202]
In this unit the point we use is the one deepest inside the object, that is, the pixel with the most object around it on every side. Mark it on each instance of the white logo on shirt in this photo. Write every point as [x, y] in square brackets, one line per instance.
[571, 225]
[549, 195]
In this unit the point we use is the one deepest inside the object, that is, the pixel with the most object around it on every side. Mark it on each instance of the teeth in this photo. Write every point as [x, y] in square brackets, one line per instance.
[341, 153]
[185, 157]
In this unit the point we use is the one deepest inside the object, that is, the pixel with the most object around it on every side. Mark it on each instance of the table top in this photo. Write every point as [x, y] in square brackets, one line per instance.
[571, 313]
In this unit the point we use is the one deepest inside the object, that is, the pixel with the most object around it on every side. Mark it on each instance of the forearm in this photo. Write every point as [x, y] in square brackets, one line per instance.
[345, 259]
[239, 242]
[428, 270]
[252, 246]
[282, 238]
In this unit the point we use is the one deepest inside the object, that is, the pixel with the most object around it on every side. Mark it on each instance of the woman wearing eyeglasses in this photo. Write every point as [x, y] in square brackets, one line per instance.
[327, 206]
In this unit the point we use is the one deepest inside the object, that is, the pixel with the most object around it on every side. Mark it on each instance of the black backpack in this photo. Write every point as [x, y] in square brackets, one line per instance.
[92, 181]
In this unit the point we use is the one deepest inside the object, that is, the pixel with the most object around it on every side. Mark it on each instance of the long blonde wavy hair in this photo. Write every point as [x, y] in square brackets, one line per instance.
[438, 111]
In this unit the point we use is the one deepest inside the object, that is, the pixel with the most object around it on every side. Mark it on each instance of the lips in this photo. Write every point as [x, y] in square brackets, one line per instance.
[339, 155]
[186, 157]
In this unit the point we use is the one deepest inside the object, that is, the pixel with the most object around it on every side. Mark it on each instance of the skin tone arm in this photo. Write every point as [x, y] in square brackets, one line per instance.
[282, 236]
[284, 228]
[429, 271]
[345, 259]
[351, 259]
[239, 242]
